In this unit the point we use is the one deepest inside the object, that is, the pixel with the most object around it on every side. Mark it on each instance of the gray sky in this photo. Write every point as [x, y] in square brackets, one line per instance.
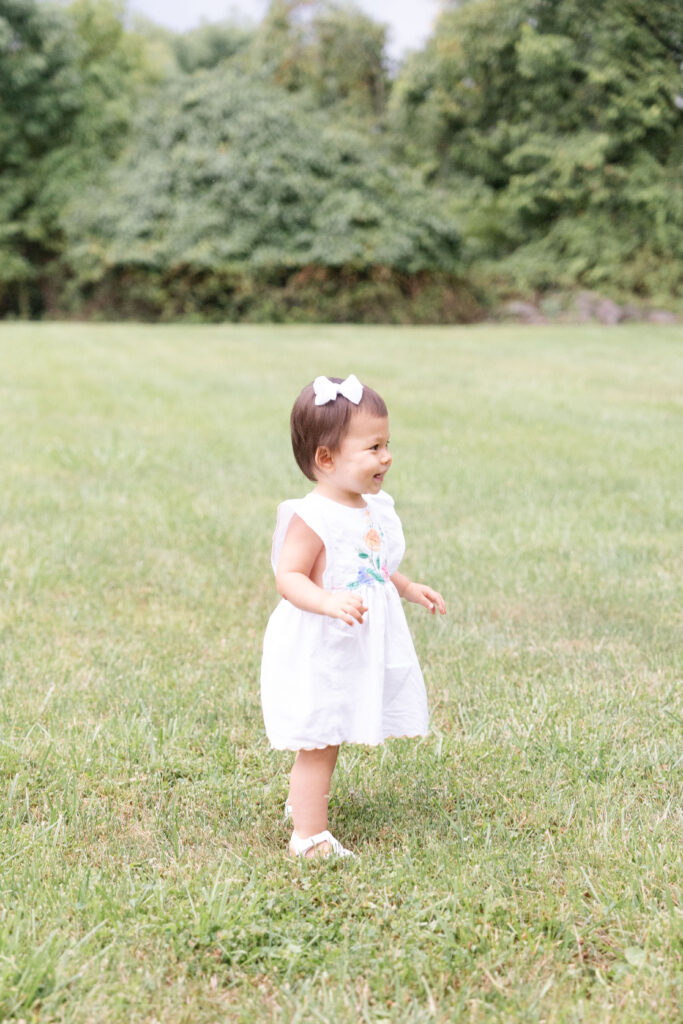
[409, 20]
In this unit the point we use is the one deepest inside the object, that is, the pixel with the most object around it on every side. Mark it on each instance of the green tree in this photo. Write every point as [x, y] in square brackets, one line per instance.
[67, 79]
[38, 104]
[210, 45]
[333, 49]
[230, 183]
[347, 58]
[560, 123]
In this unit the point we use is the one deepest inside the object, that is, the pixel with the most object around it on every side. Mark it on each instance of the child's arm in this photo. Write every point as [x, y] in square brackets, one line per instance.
[419, 593]
[301, 551]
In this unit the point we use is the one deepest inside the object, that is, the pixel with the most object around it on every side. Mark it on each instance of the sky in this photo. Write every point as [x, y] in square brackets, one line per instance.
[409, 21]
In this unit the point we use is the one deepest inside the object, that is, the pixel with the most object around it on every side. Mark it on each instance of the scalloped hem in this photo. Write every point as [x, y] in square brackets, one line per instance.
[352, 743]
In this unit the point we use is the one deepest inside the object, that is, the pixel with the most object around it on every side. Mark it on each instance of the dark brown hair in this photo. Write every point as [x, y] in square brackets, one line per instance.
[314, 426]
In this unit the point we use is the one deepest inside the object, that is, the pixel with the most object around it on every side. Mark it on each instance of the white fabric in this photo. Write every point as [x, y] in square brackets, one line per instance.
[324, 682]
[326, 390]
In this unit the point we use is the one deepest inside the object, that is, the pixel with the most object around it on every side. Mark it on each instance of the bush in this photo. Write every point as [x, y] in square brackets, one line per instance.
[230, 189]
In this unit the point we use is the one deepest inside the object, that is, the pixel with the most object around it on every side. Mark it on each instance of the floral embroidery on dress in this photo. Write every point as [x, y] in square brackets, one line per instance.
[372, 569]
[373, 540]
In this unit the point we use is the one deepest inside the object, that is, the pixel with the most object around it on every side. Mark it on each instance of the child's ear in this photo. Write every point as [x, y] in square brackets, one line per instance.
[323, 458]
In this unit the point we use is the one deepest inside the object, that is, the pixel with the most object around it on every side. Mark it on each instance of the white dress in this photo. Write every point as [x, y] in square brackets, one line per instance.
[324, 682]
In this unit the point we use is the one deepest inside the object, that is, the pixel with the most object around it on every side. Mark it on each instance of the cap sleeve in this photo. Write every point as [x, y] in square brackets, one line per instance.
[306, 510]
[382, 506]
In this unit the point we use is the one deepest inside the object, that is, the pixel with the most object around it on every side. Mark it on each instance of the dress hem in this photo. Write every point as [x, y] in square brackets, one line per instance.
[355, 743]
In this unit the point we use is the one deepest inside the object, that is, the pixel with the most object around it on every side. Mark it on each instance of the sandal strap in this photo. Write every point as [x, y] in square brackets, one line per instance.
[301, 846]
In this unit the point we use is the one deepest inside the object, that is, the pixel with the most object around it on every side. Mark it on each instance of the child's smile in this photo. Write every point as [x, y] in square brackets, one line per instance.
[359, 465]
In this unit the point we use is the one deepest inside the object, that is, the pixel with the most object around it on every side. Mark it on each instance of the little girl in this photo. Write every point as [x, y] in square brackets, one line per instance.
[338, 660]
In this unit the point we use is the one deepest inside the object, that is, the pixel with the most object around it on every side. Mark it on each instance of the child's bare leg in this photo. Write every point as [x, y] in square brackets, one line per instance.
[309, 791]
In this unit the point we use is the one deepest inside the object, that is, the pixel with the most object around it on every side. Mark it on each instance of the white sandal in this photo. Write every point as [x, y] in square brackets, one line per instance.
[300, 847]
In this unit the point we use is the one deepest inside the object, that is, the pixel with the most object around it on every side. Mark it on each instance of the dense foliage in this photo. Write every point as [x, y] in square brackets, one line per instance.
[68, 82]
[563, 120]
[231, 183]
[277, 170]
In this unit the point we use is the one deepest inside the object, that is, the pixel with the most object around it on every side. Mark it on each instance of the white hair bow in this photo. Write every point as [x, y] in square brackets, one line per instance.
[326, 390]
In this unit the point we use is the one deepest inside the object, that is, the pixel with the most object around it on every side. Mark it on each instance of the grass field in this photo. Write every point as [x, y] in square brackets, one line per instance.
[522, 863]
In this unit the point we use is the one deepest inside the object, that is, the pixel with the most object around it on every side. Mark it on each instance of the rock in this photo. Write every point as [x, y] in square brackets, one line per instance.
[584, 304]
[593, 306]
[629, 312]
[662, 316]
[524, 311]
[607, 311]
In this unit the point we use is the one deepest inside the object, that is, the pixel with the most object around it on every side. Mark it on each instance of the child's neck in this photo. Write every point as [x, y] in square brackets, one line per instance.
[327, 489]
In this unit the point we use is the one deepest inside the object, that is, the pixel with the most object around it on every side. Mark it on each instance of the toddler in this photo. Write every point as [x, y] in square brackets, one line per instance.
[338, 660]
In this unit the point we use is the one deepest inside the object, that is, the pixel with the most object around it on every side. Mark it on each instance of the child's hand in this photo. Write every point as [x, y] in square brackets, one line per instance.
[420, 593]
[342, 604]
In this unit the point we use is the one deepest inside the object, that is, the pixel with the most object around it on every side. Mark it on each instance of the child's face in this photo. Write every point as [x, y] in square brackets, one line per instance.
[359, 465]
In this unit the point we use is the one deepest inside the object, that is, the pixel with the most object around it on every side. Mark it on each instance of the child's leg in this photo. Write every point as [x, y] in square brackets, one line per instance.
[309, 789]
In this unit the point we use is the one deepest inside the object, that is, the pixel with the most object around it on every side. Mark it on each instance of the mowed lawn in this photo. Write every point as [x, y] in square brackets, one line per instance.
[522, 863]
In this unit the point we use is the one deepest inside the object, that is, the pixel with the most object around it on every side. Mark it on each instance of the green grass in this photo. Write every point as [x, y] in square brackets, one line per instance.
[522, 863]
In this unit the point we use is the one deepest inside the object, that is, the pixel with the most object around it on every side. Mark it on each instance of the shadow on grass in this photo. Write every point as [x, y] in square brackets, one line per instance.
[400, 811]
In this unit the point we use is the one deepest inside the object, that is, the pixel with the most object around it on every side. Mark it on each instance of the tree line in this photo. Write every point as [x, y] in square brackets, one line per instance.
[287, 171]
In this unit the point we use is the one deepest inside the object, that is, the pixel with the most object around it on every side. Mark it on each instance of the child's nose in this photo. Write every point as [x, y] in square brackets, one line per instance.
[386, 456]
